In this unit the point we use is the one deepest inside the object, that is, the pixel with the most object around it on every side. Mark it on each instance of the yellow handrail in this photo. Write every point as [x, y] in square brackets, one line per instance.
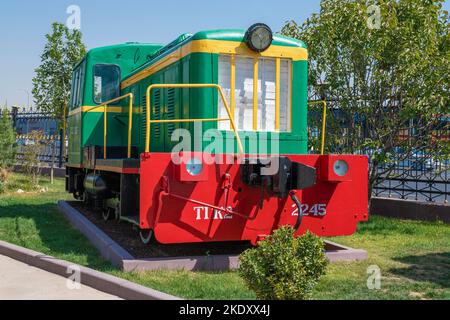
[105, 122]
[189, 86]
[324, 122]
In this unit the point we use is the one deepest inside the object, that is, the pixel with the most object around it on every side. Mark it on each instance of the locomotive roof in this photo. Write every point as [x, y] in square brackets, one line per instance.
[128, 55]
[239, 34]
[223, 35]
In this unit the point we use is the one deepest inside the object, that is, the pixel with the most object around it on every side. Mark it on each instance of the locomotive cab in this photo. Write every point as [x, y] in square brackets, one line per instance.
[206, 140]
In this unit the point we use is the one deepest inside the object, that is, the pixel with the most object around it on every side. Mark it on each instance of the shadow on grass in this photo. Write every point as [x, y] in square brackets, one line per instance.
[433, 268]
[42, 228]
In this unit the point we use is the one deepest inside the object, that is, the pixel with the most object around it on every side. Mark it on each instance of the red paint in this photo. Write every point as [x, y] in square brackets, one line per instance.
[183, 175]
[180, 210]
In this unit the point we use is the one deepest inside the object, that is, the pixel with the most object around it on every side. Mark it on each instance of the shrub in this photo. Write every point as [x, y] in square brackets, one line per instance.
[3, 179]
[283, 267]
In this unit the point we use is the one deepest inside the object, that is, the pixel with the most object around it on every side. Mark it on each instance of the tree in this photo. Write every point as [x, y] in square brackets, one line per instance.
[383, 75]
[52, 82]
[7, 141]
[31, 161]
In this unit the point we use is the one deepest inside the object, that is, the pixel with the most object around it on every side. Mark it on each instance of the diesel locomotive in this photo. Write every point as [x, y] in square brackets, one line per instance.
[206, 140]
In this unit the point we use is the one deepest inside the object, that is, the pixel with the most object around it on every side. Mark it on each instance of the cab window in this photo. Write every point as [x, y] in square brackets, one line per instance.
[267, 85]
[77, 87]
[106, 82]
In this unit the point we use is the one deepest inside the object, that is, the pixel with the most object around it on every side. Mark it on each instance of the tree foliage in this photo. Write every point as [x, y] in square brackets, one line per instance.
[380, 81]
[283, 267]
[7, 141]
[52, 82]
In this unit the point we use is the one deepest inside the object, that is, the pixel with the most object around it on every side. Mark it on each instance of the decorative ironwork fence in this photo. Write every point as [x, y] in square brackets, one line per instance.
[39, 128]
[421, 174]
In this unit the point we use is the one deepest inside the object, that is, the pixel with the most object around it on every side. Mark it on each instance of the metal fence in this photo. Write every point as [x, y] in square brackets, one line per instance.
[419, 175]
[34, 127]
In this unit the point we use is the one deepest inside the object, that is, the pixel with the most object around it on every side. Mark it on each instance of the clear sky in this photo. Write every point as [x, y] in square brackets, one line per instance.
[23, 25]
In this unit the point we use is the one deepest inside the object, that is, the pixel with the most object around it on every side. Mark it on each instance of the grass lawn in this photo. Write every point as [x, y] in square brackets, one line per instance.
[414, 257]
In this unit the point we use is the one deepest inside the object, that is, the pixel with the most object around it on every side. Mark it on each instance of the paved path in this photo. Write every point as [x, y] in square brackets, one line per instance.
[19, 281]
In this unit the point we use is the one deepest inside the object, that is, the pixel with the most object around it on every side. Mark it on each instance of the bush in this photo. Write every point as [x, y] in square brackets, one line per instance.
[283, 267]
[3, 179]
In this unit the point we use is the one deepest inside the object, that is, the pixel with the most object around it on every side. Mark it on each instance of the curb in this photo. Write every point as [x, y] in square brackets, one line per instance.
[411, 210]
[339, 253]
[103, 282]
[120, 258]
[109, 249]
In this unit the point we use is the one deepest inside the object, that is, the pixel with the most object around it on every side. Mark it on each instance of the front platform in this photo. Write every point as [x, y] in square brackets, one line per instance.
[116, 161]
[125, 166]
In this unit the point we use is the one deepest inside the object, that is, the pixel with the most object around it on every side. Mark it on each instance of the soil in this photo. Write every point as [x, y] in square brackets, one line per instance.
[127, 236]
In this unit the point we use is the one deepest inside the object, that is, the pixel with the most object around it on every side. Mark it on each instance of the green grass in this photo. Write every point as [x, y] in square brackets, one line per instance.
[414, 257]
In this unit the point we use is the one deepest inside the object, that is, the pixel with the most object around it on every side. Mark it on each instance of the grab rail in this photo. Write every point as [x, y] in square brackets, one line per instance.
[189, 86]
[324, 122]
[105, 122]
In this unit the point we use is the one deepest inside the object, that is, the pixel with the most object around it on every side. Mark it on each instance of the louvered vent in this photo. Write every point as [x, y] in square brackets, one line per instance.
[171, 110]
[156, 113]
[144, 118]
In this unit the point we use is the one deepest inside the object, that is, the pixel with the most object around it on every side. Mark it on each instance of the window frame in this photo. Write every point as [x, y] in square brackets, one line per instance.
[289, 108]
[77, 85]
[93, 81]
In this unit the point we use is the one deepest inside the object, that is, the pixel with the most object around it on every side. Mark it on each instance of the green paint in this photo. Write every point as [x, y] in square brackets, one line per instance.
[223, 35]
[176, 103]
[89, 131]
[239, 34]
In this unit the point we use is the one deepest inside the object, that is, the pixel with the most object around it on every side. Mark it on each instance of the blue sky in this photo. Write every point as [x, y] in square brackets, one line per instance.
[23, 25]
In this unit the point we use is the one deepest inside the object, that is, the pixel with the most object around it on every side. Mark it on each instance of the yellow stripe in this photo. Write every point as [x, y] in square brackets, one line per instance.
[277, 94]
[217, 47]
[255, 92]
[94, 109]
[233, 87]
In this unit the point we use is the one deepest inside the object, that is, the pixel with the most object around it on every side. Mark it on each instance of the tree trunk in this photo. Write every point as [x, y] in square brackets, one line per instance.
[53, 162]
[63, 146]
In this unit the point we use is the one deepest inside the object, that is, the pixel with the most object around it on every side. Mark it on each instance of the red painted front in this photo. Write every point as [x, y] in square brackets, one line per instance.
[164, 207]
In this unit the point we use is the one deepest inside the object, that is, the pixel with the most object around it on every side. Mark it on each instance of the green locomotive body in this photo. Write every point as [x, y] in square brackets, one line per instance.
[182, 61]
[242, 98]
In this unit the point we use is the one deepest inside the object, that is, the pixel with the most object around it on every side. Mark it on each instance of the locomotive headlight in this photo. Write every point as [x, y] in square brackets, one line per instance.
[194, 167]
[259, 37]
[340, 168]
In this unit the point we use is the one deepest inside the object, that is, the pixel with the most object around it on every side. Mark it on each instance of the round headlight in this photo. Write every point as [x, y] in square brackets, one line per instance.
[340, 168]
[194, 167]
[259, 37]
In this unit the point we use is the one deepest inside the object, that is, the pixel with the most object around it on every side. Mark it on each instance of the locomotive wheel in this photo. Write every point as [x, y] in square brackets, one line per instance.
[146, 236]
